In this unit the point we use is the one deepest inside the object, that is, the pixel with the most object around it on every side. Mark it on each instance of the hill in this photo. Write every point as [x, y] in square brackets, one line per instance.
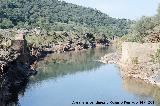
[59, 16]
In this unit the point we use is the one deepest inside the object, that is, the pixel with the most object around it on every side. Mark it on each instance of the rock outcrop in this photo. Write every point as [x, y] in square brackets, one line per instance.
[110, 58]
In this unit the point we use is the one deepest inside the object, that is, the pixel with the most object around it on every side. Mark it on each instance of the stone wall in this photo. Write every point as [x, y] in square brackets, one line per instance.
[132, 51]
[16, 58]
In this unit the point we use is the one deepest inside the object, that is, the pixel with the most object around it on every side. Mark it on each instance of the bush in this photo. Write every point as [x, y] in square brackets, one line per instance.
[6, 23]
[135, 60]
[156, 57]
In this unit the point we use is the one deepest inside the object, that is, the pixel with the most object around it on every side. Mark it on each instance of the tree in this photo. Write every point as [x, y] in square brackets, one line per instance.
[47, 13]
[6, 23]
[158, 10]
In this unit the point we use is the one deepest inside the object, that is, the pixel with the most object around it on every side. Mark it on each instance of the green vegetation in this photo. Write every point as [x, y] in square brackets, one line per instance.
[70, 62]
[156, 57]
[147, 29]
[54, 15]
[135, 60]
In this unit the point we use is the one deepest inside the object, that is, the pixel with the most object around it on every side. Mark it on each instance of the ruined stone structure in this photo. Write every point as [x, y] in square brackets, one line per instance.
[20, 45]
[141, 52]
[18, 57]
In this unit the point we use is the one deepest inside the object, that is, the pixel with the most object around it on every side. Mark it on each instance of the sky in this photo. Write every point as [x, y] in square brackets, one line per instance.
[129, 9]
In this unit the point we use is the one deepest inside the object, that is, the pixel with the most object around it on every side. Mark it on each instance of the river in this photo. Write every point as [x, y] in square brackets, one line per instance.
[78, 79]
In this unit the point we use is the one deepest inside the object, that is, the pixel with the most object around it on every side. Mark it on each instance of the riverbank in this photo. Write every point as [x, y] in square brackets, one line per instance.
[18, 61]
[22, 51]
[134, 61]
[39, 44]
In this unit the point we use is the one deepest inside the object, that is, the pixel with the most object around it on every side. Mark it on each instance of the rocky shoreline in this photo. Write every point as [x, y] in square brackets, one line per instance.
[146, 72]
[20, 56]
[111, 58]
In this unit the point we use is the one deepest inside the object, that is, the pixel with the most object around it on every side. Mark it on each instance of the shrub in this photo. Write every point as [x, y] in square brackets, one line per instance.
[155, 58]
[135, 60]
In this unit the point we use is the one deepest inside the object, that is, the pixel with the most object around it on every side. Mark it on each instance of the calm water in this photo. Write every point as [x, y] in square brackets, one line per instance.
[79, 77]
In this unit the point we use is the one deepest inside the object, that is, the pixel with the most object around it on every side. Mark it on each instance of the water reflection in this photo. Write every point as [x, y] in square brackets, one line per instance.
[141, 88]
[57, 65]
[10, 90]
[97, 83]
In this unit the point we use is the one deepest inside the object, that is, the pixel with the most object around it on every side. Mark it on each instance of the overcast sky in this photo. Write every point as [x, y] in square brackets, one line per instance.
[131, 9]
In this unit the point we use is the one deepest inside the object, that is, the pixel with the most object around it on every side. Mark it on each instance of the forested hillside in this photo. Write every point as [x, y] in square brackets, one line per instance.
[54, 15]
[147, 29]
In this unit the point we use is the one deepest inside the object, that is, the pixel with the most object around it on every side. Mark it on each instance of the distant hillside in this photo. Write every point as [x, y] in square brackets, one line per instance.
[59, 16]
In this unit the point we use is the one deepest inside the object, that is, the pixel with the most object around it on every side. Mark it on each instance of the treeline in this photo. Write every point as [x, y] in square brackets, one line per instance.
[54, 15]
[147, 29]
